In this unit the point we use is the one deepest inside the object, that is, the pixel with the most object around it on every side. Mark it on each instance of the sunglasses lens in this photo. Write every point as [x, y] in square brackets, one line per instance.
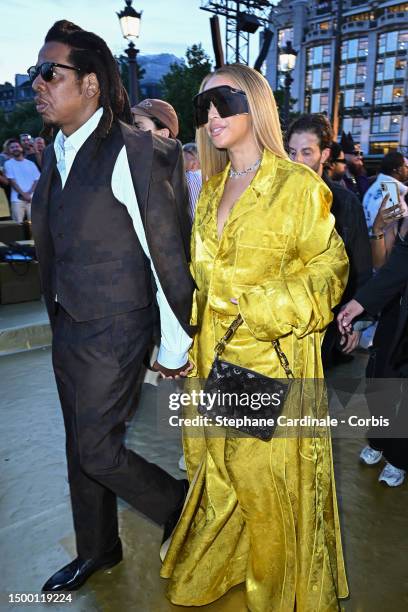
[227, 100]
[32, 73]
[47, 71]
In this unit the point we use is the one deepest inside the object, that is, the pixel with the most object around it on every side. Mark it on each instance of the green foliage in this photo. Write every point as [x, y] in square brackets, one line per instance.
[24, 119]
[279, 95]
[182, 83]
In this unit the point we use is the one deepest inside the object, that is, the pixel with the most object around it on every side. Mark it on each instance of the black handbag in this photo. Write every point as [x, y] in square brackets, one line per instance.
[235, 387]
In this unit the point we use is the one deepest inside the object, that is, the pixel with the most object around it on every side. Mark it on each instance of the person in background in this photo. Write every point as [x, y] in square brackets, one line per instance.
[193, 174]
[4, 182]
[310, 140]
[4, 192]
[355, 177]
[26, 141]
[335, 167]
[23, 176]
[36, 157]
[387, 292]
[4, 156]
[156, 116]
[394, 168]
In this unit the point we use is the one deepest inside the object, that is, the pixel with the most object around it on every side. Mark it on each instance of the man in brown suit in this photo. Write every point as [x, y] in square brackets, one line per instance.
[111, 227]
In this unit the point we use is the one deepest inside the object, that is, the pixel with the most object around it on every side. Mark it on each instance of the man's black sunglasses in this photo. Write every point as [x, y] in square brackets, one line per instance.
[47, 71]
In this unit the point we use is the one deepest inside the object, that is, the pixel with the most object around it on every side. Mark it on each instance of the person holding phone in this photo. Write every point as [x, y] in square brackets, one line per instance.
[390, 180]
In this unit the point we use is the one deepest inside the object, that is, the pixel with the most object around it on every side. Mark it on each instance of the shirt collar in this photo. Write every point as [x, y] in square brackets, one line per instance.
[76, 140]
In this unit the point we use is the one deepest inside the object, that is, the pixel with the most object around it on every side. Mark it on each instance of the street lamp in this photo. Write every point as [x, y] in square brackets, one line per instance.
[129, 20]
[287, 62]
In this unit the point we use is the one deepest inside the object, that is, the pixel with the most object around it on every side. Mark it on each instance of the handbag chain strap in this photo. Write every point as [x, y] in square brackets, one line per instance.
[220, 346]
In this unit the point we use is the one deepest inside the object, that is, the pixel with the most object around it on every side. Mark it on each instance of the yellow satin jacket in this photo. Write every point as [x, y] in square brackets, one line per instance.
[280, 255]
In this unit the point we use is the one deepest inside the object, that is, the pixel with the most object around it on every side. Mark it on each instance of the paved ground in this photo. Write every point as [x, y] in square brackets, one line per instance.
[35, 521]
[23, 326]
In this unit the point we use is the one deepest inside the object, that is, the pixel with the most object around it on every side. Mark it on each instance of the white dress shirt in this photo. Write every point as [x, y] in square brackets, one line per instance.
[175, 342]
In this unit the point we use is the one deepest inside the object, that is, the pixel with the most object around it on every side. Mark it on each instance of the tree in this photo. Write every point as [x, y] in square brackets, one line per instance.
[23, 119]
[182, 83]
[279, 95]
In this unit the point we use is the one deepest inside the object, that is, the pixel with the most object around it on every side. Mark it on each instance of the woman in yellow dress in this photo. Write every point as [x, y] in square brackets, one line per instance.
[264, 246]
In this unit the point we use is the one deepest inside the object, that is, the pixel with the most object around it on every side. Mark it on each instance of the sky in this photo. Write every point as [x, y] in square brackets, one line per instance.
[168, 26]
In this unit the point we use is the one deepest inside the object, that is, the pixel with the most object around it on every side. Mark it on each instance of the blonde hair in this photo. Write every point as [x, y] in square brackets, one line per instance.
[264, 113]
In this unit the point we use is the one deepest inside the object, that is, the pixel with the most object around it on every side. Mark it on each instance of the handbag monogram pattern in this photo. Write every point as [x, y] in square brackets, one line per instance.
[235, 383]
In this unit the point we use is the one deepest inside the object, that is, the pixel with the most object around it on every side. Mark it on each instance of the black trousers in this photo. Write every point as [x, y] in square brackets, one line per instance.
[388, 398]
[96, 364]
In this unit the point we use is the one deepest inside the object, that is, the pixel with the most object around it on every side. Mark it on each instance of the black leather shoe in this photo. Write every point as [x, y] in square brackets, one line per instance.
[172, 521]
[76, 573]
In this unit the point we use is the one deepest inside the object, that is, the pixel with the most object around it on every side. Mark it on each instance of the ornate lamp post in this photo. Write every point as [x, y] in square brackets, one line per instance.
[287, 62]
[129, 20]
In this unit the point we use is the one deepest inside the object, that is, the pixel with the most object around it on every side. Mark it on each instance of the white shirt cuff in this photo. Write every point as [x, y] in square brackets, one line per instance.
[171, 360]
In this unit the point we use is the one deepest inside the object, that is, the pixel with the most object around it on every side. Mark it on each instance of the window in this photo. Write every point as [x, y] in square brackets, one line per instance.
[395, 125]
[403, 41]
[349, 98]
[285, 35]
[353, 125]
[342, 75]
[319, 103]
[383, 147]
[392, 41]
[387, 94]
[400, 68]
[397, 94]
[351, 72]
[317, 78]
[325, 79]
[315, 106]
[386, 123]
[361, 73]
[389, 66]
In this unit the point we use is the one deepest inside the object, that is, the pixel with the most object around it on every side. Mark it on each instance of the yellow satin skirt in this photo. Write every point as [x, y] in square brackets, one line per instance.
[263, 513]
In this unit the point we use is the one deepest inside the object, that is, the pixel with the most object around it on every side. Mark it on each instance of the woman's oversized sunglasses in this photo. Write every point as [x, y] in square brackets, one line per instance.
[46, 69]
[227, 100]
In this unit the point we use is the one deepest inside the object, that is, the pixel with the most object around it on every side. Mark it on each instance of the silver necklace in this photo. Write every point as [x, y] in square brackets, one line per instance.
[237, 173]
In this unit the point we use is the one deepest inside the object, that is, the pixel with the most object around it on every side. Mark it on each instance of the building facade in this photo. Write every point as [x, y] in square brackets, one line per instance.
[372, 65]
[11, 95]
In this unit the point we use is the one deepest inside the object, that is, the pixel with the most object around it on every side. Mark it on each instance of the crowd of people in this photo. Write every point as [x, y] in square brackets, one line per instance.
[284, 235]
[20, 166]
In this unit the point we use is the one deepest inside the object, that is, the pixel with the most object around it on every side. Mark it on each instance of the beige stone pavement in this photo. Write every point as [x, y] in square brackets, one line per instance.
[36, 535]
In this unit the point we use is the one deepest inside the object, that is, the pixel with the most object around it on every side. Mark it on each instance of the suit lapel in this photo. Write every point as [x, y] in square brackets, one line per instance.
[44, 184]
[139, 149]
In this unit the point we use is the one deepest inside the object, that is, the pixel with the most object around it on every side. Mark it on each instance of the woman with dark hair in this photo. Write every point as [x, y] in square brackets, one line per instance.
[264, 247]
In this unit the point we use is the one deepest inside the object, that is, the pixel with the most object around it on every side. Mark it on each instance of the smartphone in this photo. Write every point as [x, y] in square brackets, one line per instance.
[391, 188]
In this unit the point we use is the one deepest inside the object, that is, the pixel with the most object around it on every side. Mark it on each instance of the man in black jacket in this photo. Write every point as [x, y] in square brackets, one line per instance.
[112, 233]
[309, 142]
[390, 284]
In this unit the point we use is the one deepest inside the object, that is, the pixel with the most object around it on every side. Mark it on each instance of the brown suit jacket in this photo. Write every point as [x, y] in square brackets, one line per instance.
[157, 170]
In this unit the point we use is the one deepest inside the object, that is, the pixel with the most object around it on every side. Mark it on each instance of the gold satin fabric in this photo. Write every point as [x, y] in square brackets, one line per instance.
[263, 513]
